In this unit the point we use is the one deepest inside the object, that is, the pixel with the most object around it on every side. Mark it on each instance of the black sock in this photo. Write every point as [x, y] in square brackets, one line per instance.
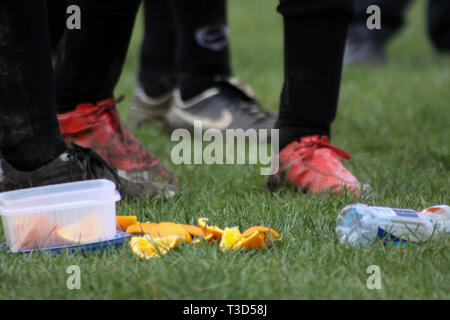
[89, 61]
[314, 46]
[29, 130]
[157, 72]
[202, 39]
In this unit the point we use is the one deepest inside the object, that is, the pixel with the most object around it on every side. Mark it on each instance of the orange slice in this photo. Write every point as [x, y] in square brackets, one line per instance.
[215, 231]
[85, 231]
[146, 247]
[123, 222]
[38, 232]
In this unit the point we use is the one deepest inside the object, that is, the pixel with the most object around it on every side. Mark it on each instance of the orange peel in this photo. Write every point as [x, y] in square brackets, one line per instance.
[151, 239]
[141, 228]
[123, 222]
[194, 231]
[215, 231]
[146, 247]
[230, 237]
[269, 234]
[254, 241]
[160, 230]
[252, 238]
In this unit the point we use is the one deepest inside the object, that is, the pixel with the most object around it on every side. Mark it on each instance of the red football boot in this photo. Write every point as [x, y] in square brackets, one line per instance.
[100, 128]
[313, 164]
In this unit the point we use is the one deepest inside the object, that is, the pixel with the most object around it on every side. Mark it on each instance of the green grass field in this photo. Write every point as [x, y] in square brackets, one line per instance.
[393, 119]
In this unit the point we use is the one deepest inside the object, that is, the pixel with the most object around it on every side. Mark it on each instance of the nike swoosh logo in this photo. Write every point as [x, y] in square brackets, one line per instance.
[221, 123]
[213, 38]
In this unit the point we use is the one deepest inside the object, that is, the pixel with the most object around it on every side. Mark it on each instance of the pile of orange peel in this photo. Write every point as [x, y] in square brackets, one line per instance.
[153, 240]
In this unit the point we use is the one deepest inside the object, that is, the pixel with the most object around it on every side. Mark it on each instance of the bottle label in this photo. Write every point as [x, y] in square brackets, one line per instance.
[386, 237]
[406, 213]
[396, 230]
[392, 212]
[384, 211]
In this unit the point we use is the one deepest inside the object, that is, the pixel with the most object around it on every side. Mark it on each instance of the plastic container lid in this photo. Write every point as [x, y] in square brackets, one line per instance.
[58, 197]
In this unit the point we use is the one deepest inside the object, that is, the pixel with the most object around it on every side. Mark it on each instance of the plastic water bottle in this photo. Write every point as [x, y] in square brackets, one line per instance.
[359, 224]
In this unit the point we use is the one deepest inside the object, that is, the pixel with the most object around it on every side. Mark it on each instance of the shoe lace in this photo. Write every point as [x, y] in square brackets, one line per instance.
[308, 148]
[92, 164]
[312, 145]
[109, 106]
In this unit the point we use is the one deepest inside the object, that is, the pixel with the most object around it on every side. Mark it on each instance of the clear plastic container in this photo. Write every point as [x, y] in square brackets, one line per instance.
[57, 215]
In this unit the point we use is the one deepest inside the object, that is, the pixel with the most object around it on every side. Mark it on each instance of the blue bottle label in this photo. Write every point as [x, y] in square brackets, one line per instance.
[407, 213]
[388, 237]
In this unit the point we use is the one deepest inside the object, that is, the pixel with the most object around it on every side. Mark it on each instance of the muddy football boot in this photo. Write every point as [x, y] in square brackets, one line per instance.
[76, 164]
[314, 165]
[230, 104]
[100, 128]
[145, 109]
